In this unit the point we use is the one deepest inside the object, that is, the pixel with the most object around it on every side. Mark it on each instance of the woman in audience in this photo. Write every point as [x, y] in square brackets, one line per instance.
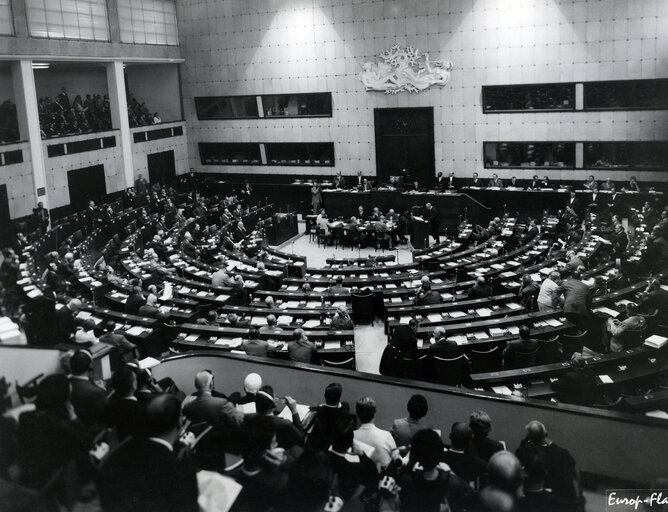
[425, 487]
[403, 429]
[84, 334]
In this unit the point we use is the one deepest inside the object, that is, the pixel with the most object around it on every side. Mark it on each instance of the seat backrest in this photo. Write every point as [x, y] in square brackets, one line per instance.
[548, 351]
[526, 359]
[348, 364]
[484, 361]
[446, 371]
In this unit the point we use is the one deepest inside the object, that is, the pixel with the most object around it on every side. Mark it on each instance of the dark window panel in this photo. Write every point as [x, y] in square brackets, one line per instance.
[159, 134]
[226, 107]
[300, 153]
[626, 155]
[317, 104]
[13, 157]
[139, 137]
[178, 131]
[229, 153]
[55, 150]
[109, 142]
[528, 98]
[536, 155]
[626, 95]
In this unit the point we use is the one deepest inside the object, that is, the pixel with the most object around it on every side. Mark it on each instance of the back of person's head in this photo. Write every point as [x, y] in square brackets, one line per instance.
[524, 332]
[494, 500]
[53, 392]
[536, 432]
[124, 381]
[211, 317]
[339, 280]
[81, 362]
[264, 400]
[480, 423]
[439, 332]
[366, 409]
[271, 320]
[88, 324]
[413, 324]
[163, 415]
[426, 286]
[74, 304]
[504, 472]
[343, 435]
[297, 334]
[480, 280]
[204, 380]
[311, 478]
[253, 333]
[631, 308]
[426, 448]
[333, 393]
[576, 274]
[109, 325]
[252, 383]
[461, 435]
[417, 407]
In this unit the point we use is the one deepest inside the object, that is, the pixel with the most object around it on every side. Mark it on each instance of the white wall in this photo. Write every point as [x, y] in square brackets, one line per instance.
[289, 46]
[142, 82]
[80, 80]
[19, 181]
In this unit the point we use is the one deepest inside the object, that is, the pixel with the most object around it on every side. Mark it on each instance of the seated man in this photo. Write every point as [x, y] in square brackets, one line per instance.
[480, 290]
[338, 288]
[495, 182]
[442, 346]
[204, 407]
[254, 346]
[467, 466]
[482, 445]
[327, 415]
[300, 349]
[123, 411]
[524, 345]
[626, 333]
[426, 296]
[271, 327]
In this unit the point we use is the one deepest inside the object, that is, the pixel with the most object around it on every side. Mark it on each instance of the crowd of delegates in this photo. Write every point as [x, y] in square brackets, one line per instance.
[9, 124]
[132, 441]
[63, 116]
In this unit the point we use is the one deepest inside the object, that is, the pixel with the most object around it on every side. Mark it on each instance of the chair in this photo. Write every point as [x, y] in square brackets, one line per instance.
[447, 371]
[549, 351]
[214, 449]
[572, 343]
[484, 361]
[28, 392]
[526, 359]
[413, 368]
[347, 364]
[363, 307]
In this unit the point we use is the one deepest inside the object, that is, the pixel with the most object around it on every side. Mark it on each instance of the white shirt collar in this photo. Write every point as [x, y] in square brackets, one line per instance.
[80, 377]
[161, 441]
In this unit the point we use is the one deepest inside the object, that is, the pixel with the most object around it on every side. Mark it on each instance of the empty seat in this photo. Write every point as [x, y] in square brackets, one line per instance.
[347, 364]
[483, 361]
[446, 371]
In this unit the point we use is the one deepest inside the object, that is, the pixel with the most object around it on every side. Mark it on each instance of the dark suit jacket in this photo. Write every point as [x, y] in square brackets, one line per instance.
[88, 401]
[66, 324]
[479, 291]
[214, 410]
[124, 347]
[484, 447]
[479, 183]
[576, 297]
[127, 416]
[431, 297]
[134, 302]
[517, 347]
[467, 466]
[324, 424]
[144, 476]
[444, 348]
[405, 340]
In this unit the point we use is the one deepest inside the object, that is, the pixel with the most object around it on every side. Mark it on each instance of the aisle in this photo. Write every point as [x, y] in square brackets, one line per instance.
[370, 341]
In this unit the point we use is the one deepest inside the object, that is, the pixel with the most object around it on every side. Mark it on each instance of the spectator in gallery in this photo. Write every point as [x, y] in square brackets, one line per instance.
[495, 182]
[467, 466]
[633, 185]
[403, 429]
[41, 215]
[316, 196]
[591, 183]
[369, 433]
[482, 445]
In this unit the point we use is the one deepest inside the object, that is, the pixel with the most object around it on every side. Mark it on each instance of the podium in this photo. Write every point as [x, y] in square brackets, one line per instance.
[419, 232]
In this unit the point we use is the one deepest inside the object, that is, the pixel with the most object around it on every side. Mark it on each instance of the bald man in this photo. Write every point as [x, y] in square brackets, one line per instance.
[561, 475]
[504, 473]
[205, 407]
[480, 290]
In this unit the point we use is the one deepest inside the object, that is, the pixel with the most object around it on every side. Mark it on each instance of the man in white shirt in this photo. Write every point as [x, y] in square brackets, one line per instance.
[381, 440]
[550, 292]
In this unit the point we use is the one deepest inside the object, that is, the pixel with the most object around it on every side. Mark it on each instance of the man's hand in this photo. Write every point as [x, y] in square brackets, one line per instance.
[292, 404]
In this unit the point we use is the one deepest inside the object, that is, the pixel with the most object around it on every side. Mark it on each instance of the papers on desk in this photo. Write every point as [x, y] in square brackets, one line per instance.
[284, 319]
[459, 339]
[309, 324]
[553, 322]
[405, 319]
[292, 288]
[623, 302]
[148, 363]
[657, 414]
[513, 329]
[201, 293]
[656, 341]
[502, 390]
[222, 297]
[231, 343]
[513, 306]
[319, 289]
[338, 303]
[331, 345]
[607, 311]
[435, 317]
[34, 293]
[135, 331]
[456, 314]
[84, 315]
[437, 281]
[446, 296]
[605, 379]
[192, 337]
[480, 335]
[484, 312]
[257, 320]
[289, 304]
[391, 286]
[395, 300]
[495, 331]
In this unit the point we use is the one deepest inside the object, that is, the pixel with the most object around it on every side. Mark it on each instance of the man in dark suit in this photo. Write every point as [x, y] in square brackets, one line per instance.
[427, 296]
[524, 345]
[495, 182]
[126, 349]
[469, 467]
[620, 242]
[482, 445]
[450, 182]
[216, 411]
[134, 301]
[288, 433]
[326, 417]
[480, 290]
[440, 182]
[405, 339]
[144, 474]
[577, 299]
[442, 346]
[596, 199]
[66, 320]
[574, 206]
[88, 399]
[431, 216]
[476, 182]
[41, 217]
[339, 181]
[123, 412]
[535, 494]
[515, 183]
